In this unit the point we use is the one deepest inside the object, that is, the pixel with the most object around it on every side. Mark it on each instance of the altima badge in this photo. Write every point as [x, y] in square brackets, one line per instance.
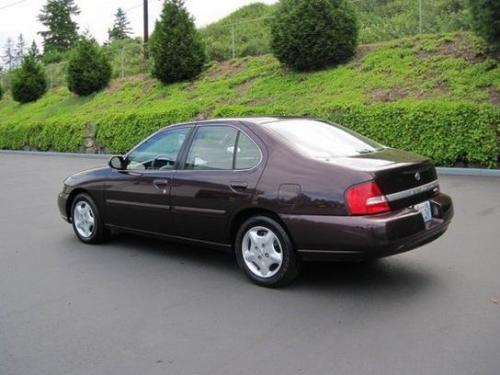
[418, 177]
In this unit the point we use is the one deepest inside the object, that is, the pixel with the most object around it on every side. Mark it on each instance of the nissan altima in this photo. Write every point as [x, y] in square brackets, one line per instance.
[275, 191]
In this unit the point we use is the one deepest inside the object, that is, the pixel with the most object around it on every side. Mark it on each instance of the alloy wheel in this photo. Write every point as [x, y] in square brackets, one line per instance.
[84, 219]
[262, 252]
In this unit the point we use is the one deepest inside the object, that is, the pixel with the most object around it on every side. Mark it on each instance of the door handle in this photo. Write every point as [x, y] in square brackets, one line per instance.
[239, 186]
[161, 185]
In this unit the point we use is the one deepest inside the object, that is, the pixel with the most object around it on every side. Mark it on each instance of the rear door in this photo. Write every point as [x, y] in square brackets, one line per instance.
[218, 176]
[138, 197]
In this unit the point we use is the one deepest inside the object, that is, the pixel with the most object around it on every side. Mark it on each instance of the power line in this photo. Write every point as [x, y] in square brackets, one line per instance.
[12, 4]
[133, 7]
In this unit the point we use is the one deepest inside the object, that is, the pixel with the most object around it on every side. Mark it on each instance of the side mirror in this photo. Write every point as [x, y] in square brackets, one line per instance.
[117, 162]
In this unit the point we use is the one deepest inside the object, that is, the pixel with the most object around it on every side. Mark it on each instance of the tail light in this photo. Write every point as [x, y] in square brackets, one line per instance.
[366, 199]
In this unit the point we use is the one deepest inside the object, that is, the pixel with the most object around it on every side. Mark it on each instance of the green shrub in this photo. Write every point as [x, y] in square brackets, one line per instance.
[486, 20]
[120, 132]
[449, 133]
[176, 47]
[29, 82]
[64, 135]
[89, 70]
[312, 34]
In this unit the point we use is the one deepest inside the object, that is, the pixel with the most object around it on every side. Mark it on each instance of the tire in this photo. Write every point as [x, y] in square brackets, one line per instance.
[86, 220]
[265, 253]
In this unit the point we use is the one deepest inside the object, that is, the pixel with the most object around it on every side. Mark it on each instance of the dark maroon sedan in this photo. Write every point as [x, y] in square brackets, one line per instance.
[276, 191]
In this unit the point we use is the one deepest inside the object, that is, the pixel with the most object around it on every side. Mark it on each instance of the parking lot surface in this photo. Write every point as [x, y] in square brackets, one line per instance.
[141, 306]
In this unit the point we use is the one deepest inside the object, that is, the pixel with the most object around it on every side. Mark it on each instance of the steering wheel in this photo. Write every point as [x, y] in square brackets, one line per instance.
[162, 162]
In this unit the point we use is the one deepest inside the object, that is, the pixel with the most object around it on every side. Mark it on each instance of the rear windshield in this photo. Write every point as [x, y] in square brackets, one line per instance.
[320, 140]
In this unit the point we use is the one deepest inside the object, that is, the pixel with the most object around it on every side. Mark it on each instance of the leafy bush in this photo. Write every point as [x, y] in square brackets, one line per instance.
[486, 20]
[29, 82]
[63, 135]
[176, 47]
[312, 34]
[119, 132]
[89, 70]
[449, 133]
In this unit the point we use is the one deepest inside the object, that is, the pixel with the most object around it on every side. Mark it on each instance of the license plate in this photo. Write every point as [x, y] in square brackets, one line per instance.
[425, 210]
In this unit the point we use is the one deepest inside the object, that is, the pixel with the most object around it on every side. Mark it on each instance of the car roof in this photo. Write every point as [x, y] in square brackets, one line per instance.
[253, 120]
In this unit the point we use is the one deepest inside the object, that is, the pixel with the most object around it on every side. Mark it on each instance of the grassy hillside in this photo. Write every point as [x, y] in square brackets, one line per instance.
[392, 91]
[251, 25]
[379, 20]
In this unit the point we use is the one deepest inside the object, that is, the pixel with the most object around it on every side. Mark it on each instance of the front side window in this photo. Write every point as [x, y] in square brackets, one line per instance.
[323, 141]
[212, 148]
[158, 152]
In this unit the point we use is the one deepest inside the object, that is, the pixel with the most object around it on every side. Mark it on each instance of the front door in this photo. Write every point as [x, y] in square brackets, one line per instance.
[138, 197]
[217, 178]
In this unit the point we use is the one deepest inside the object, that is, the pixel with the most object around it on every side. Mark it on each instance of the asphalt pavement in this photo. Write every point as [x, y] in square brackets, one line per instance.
[141, 306]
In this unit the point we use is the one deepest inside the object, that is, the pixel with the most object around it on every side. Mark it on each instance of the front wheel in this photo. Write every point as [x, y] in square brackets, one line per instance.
[86, 220]
[265, 252]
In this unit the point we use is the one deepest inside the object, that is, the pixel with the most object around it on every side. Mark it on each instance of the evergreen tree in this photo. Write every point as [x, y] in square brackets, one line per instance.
[29, 82]
[486, 20]
[20, 49]
[176, 47]
[34, 51]
[312, 34]
[121, 27]
[62, 32]
[9, 57]
[89, 70]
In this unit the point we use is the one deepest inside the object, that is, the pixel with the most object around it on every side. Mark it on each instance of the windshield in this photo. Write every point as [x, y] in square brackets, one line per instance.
[320, 140]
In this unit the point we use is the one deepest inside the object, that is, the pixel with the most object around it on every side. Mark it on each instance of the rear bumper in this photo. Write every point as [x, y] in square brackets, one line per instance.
[353, 238]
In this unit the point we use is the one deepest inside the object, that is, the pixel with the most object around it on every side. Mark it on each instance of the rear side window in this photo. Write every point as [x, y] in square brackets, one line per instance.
[212, 148]
[222, 148]
[248, 155]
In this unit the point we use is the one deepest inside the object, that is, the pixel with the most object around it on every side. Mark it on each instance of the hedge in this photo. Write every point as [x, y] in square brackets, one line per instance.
[120, 132]
[65, 135]
[449, 133]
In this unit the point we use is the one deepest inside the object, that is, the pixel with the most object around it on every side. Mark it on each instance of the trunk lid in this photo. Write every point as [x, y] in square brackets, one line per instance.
[405, 178]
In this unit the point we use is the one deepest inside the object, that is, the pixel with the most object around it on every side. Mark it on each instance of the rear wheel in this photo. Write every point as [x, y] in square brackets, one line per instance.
[265, 252]
[86, 220]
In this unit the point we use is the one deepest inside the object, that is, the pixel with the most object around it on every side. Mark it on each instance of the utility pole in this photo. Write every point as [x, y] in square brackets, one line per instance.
[420, 17]
[146, 29]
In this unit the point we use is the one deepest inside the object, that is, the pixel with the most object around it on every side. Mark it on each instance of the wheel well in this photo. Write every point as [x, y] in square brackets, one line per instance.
[69, 202]
[242, 216]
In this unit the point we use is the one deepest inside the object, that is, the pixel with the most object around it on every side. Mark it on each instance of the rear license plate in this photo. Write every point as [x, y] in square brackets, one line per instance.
[425, 210]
